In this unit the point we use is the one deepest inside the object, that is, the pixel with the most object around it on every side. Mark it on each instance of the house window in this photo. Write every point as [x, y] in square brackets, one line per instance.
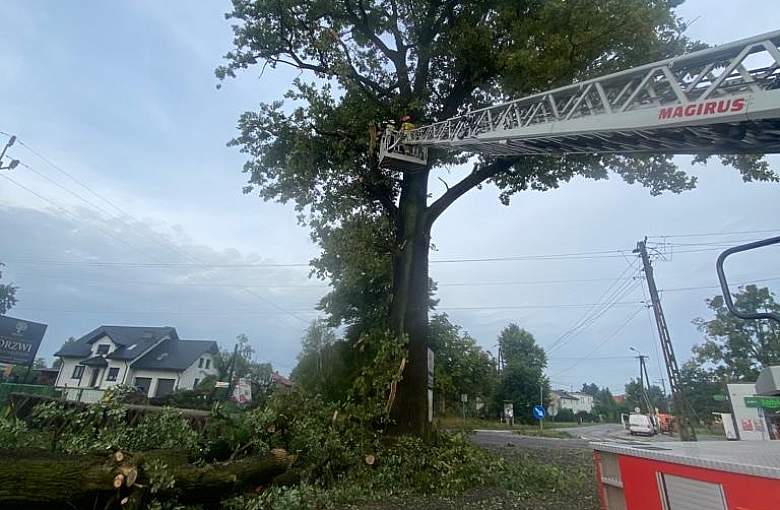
[112, 373]
[164, 387]
[200, 363]
[208, 364]
[78, 371]
[103, 349]
[143, 384]
[195, 384]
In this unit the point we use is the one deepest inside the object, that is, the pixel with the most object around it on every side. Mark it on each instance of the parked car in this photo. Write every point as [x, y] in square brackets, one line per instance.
[640, 424]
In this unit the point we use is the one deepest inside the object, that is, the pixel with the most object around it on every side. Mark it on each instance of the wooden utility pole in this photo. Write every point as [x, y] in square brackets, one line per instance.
[687, 433]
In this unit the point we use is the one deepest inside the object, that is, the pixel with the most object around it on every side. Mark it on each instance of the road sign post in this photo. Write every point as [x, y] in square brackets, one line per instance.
[539, 415]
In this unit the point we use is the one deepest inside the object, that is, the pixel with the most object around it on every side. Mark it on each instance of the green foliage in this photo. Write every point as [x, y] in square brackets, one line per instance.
[16, 434]
[565, 415]
[604, 405]
[448, 465]
[522, 376]
[701, 386]
[654, 393]
[460, 365]
[324, 364]
[244, 364]
[103, 426]
[590, 389]
[518, 345]
[7, 295]
[738, 349]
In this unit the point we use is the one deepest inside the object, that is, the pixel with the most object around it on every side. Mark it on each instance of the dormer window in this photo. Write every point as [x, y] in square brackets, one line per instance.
[200, 363]
[103, 349]
[208, 364]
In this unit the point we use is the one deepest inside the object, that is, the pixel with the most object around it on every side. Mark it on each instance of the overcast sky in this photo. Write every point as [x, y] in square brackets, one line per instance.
[122, 97]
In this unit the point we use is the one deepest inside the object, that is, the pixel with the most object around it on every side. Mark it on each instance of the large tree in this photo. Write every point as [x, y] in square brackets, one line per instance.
[522, 379]
[373, 60]
[461, 366]
[704, 390]
[735, 348]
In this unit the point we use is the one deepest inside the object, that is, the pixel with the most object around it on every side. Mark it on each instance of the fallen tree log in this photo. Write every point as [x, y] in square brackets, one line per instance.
[33, 479]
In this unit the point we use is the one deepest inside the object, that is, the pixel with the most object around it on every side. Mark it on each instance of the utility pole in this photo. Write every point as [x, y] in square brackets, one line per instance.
[687, 433]
[643, 377]
[663, 384]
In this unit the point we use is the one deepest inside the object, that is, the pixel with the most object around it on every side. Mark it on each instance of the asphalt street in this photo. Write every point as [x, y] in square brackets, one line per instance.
[581, 437]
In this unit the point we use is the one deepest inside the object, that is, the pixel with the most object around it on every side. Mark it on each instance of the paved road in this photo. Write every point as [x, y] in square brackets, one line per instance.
[582, 436]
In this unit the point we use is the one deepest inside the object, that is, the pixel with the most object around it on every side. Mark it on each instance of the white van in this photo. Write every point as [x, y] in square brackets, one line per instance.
[641, 424]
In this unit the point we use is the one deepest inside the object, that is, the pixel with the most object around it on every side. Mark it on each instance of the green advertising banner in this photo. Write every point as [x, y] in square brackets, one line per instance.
[763, 402]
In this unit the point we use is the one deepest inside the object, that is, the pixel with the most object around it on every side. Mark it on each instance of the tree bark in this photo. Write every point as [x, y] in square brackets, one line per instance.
[409, 309]
[33, 479]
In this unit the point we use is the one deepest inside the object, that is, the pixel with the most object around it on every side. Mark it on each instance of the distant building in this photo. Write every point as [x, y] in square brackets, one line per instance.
[619, 399]
[575, 401]
[153, 359]
[280, 381]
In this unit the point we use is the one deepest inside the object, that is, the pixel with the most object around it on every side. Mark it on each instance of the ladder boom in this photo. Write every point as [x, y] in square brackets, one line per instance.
[721, 99]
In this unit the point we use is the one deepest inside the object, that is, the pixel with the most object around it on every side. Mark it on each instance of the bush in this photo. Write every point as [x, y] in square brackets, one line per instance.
[15, 433]
[565, 415]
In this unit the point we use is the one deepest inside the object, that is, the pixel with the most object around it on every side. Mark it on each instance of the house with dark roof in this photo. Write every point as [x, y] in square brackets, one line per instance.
[154, 359]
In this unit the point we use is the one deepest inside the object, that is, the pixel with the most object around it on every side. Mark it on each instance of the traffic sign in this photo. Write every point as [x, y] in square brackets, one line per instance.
[539, 412]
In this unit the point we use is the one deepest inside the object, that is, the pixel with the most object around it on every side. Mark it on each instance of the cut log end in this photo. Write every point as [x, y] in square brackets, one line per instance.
[119, 480]
[119, 456]
[370, 459]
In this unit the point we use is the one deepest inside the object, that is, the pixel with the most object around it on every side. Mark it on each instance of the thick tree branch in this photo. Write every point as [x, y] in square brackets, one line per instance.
[397, 57]
[480, 174]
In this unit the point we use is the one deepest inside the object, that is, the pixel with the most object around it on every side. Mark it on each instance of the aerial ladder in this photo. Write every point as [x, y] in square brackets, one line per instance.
[724, 99]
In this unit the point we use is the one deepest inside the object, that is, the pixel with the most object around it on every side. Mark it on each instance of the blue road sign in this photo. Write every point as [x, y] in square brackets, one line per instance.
[539, 412]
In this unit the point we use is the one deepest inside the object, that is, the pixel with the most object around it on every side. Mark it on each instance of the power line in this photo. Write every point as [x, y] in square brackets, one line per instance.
[588, 317]
[713, 234]
[92, 263]
[602, 343]
[70, 176]
[254, 311]
[168, 246]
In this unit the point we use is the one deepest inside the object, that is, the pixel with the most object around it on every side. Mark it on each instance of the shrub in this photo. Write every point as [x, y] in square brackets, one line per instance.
[564, 415]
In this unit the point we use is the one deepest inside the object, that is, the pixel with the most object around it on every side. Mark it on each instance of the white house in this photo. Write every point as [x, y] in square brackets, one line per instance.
[573, 400]
[151, 358]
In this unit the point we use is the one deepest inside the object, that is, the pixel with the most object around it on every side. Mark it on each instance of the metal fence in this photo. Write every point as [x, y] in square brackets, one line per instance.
[30, 389]
[85, 395]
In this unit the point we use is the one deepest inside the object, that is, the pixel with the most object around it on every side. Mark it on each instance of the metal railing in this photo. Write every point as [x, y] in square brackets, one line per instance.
[695, 80]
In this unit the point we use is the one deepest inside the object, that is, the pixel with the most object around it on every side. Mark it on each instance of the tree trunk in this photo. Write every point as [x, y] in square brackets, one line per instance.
[409, 310]
[32, 479]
